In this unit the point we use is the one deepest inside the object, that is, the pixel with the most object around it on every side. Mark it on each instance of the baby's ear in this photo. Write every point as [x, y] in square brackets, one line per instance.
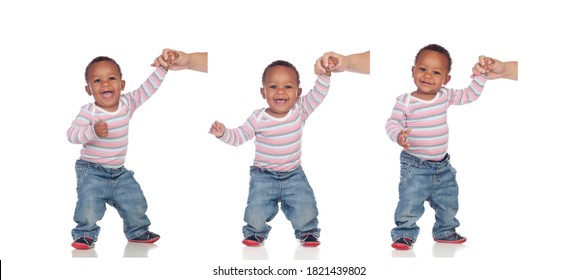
[447, 79]
[122, 85]
[87, 88]
[263, 93]
[299, 90]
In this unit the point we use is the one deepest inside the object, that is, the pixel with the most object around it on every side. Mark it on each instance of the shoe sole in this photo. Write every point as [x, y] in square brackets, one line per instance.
[459, 241]
[311, 244]
[81, 246]
[399, 246]
[252, 243]
[152, 240]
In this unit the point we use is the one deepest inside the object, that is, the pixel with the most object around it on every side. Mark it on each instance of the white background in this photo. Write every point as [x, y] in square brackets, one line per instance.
[514, 148]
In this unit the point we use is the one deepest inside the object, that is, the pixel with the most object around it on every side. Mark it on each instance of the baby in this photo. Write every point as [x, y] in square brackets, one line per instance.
[276, 173]
[418, 123]
[102, 129]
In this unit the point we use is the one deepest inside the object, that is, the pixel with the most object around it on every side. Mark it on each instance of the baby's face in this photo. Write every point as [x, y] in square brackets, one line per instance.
[281, 90]
[430, 72]
[105, 84]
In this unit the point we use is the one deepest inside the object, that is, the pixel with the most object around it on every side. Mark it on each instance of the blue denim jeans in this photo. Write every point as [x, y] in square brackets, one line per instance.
[421, 181]
[98, 186]
[291, 189]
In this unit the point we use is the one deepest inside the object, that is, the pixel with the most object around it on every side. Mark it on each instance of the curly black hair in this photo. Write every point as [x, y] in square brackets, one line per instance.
[436, 48]
[280, 63]
[99, 59]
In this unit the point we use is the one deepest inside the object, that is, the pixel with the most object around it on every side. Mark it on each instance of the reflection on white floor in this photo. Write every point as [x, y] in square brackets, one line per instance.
[91, 253]
[301, 253]
[140, 250]
[131, 250]
[439, 250]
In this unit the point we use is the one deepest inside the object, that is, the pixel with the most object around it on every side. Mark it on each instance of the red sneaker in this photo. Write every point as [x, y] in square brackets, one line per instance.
[309, 240]
[254, 240]
[83, 243]
[403, 243]
[147, 237]
[453, 238]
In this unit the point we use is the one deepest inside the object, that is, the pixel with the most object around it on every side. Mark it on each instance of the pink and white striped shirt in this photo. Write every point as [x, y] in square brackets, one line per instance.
[429, 136]
[278, 140]
[110, 152]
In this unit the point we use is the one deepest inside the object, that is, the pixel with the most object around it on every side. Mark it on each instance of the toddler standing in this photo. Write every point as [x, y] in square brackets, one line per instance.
[102, 129]
[418, 123]
[276, 174]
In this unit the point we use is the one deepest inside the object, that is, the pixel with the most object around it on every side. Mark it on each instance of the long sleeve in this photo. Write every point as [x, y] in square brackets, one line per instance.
[469, 94]
[137, 97]
[427, 119]
[82, 129]
[316, 95]
[110, 151]
[397, 121]
[278, 140]
[238, 136]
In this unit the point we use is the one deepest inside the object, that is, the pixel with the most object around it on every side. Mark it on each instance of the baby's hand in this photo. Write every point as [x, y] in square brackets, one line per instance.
[331, 64]
[168, 60]
[487, 63]
[173, 57]
[101, 129]
[217, 129]
[481, 67]
[487, 66]
[402, 138]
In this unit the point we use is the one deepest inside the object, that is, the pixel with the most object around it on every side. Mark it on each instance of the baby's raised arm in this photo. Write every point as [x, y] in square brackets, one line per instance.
[178, 60]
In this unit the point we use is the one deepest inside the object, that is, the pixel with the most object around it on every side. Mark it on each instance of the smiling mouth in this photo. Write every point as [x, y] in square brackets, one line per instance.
[280, 101]
[107, 94]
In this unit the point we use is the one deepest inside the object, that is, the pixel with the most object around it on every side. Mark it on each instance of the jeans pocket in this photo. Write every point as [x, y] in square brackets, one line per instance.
[81, 173]
[404, 173]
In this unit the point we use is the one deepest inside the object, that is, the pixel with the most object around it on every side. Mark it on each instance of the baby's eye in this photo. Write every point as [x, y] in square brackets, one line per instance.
[437, 72]
[288, 87]
[422, 69]
[112, 78]
[273, 87]
[97, 81]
